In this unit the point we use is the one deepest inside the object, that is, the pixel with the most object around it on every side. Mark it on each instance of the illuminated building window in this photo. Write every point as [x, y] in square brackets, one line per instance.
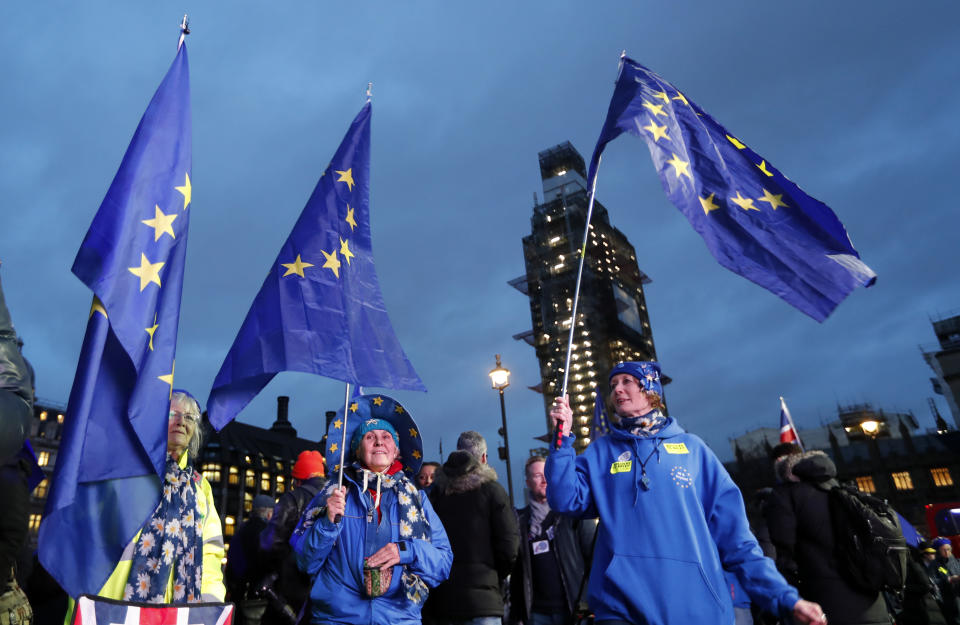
[941, 476]
[211, 471]
[43, 415]
[902, 480]
[41, 490]
[265, 482]
[34, 522]
[228, 525]
[866, 485]
[234, 476]
[60, 418]
[43, 458]
[280, 485]
[247, 501]
[250, 479]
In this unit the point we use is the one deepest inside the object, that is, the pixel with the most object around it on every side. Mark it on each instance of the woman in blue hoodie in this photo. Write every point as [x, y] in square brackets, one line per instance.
[671, 519]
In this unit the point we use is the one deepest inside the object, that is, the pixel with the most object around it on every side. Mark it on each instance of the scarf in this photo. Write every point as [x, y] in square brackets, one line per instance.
[644, 426]
[413, 521]
[171, 539]
[538, 512]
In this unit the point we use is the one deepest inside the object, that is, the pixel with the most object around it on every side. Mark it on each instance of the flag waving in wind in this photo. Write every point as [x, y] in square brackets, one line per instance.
[106, 480]
[320, 309]
[788, 432]
[755, 221]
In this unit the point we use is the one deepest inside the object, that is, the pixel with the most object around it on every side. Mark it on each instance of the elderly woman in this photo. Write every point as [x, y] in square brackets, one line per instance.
[374, 545]
[671, 519]
[175, 558]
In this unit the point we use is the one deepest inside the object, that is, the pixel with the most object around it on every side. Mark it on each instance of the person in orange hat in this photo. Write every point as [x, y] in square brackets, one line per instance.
[290, 585]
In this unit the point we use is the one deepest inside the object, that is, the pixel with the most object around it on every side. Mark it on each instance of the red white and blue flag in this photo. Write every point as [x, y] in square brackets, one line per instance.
[788, 431]
[99, 611]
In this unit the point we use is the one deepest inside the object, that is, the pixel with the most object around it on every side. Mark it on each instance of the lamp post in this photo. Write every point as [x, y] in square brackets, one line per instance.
[500, 379]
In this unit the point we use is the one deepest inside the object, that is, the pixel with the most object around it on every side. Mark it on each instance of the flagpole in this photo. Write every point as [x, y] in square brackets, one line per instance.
[796, 432]
[184, 31]
[343, 443]
[576, 293]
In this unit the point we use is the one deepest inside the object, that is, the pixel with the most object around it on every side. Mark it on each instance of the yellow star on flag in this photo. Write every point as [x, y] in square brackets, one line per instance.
[350, 218]
[152, 329]
[656, 109]
[735, 143]
[377, 400]
[708, 204]
[161, 224]
[744, 202]
[345, 250]
[337, 424]
[658, 132]
[346, 176]
[680, 167]
[333, 447]
[413, 432]
[398, 409]
[186, 190]
[169, 377]
[763, 168]
[332, 263]
[97, 307]
[354, 407]
[336, 467]
[416, 454]
[296, 267]
[662, 95]
[681, 97]
[147, 272]
[773, 200]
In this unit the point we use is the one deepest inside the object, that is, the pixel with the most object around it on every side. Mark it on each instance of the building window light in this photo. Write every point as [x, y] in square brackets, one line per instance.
[902, 480]
[554, 240]
[941, 476]
[561, 172]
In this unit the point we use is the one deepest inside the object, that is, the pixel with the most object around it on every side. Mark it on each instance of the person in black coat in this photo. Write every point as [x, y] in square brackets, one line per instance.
[548, 580]
[798, 516]
[482, 528]
[920, 593]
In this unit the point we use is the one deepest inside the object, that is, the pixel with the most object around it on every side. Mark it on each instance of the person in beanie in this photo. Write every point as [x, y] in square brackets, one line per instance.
[374, 546]
[289, 583]
[671, 519]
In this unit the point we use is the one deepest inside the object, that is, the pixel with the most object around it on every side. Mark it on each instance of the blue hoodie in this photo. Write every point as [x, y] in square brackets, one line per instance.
[661, 551]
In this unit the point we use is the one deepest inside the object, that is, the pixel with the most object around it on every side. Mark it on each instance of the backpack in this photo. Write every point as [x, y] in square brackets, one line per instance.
[870, 547]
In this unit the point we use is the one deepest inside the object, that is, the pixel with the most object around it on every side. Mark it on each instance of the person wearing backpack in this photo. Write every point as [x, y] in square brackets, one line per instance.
[802, 529]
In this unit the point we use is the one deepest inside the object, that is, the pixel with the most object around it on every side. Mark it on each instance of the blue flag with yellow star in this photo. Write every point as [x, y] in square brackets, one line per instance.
[755, 221]
[105, 483]
[320, 309]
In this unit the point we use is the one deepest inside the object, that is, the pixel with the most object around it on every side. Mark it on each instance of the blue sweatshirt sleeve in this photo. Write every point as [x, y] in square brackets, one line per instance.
[738, 548]
[569, 479]
[432, 559]
[314, 536]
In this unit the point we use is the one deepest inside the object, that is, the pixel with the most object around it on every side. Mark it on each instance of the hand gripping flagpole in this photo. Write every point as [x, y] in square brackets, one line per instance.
[576, 295]
[343, 443]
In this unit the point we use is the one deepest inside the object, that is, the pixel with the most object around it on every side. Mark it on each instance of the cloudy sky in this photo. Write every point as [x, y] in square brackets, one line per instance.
[855, 101]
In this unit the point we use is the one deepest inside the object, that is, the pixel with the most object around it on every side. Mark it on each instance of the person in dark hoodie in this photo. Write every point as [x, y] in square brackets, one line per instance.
[671, 518]
[483, 533]
[798, 516]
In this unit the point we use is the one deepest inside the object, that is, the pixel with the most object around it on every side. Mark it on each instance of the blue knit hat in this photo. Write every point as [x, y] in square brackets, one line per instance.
[940, 540]
[646, 372]
[370, 425]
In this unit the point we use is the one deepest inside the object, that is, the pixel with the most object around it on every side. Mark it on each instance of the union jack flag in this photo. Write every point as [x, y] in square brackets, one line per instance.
[100, 611]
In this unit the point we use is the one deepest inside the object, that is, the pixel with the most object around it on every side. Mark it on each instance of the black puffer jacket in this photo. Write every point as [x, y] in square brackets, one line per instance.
[482, 529]
[798, 516]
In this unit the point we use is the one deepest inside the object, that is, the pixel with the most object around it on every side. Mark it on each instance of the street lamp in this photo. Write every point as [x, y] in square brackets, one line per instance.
[870, 427]
[500, 379]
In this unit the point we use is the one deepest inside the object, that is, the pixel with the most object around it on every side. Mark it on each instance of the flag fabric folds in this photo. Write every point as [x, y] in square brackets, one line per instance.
[100, 611]
[106, 479]
[601, 426]
[788, 432]
[755, 221]
[320, 309]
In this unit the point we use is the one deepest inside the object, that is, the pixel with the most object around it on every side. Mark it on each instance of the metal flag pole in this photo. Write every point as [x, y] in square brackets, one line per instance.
[184, 31]
[343, 443]
[576, 294]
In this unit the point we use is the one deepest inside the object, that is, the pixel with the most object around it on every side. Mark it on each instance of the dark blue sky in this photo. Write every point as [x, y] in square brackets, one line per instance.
[855, 101]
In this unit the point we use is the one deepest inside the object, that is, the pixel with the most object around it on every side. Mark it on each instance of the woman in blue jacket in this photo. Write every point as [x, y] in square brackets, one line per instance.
[374, 546]
[671, 519]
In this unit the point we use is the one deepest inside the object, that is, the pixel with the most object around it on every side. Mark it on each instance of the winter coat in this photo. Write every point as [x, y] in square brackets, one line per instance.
[572, 543]
[333, 554]
[245, 564]
[16, 389]
[798, 516]
[661, 550]
[292, 584]
[919, 605]
[482, 527]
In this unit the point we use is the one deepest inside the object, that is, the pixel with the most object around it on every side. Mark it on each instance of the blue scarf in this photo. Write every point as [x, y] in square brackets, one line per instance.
[645, 426]
[172, 539]
[413, 521]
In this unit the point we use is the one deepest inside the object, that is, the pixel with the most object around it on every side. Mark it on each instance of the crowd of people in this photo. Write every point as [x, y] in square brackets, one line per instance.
[644, 527]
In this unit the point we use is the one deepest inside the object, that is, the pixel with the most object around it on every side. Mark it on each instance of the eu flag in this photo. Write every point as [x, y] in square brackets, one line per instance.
[755, 221]
[106, 480]
[320, 309]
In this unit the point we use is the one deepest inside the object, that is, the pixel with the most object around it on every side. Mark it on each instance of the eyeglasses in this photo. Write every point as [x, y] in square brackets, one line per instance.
[189, 417]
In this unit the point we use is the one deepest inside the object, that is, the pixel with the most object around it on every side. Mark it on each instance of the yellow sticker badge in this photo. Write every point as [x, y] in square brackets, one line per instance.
[621, 466]
[676, 448]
